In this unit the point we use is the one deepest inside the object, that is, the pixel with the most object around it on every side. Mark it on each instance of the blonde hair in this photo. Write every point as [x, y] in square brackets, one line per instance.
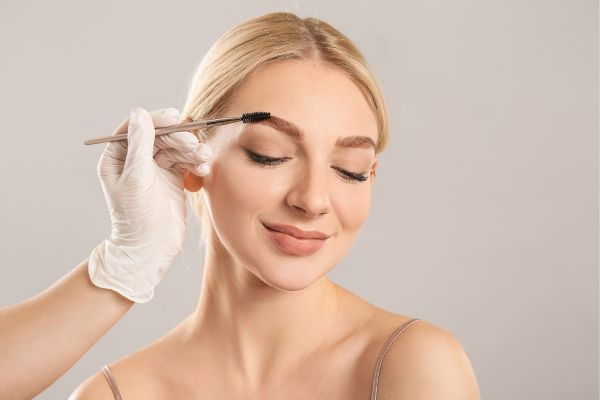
[265, 39]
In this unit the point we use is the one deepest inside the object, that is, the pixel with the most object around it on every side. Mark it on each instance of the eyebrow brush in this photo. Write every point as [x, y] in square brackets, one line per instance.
[245, 118]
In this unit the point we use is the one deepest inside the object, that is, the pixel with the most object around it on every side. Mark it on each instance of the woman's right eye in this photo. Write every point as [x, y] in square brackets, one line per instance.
[265, 160]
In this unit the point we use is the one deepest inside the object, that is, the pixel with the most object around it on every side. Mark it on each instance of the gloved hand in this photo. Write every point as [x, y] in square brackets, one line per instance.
[142, 180]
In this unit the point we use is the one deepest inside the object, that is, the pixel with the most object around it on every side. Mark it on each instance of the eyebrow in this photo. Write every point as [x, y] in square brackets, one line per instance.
[294, 131]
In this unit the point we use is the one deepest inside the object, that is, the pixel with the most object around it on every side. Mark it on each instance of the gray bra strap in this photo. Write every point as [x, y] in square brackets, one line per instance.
[382, 354]
[111, 382]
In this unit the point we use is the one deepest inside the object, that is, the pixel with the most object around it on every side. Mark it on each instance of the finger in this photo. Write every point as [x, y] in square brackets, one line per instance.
[117, 151]
[110, 167]
[140, 142]
[180, 166]
[167, 157]
[112, 161]
[197, 169]
[182, 141]
[160, 118]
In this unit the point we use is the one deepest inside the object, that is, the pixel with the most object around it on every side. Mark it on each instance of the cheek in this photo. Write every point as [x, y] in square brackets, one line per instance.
[353, 210]
[238, 193]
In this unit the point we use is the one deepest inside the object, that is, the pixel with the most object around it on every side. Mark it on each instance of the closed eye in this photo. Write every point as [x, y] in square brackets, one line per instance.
[266, 161]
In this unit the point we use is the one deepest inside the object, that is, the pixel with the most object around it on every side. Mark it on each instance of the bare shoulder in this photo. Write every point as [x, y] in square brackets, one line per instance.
[135, 376]
[93, 388]
[426, 361]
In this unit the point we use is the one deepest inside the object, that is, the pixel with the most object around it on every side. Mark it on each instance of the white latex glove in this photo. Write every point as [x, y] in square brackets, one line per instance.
[142, 180]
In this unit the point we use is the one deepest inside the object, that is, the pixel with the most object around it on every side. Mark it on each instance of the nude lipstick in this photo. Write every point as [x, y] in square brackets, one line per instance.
[295, 241]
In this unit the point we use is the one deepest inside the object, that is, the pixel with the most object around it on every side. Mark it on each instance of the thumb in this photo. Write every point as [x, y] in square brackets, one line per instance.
[140, 138]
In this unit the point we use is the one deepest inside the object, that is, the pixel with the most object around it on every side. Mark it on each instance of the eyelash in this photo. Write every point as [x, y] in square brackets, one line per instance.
[269, 161]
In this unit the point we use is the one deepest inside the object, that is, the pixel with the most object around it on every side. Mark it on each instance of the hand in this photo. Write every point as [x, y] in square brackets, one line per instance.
[142, 180]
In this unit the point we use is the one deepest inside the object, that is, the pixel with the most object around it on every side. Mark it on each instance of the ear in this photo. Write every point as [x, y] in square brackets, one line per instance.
[192, 182]
[373, 168]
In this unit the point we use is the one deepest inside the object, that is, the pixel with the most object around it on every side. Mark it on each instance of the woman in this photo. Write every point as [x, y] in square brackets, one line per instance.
[269, 322]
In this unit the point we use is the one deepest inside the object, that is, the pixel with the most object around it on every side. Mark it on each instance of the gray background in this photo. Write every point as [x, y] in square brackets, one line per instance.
[485, 209]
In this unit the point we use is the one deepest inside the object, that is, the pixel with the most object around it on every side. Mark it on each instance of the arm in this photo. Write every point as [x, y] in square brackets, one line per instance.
[42, 337]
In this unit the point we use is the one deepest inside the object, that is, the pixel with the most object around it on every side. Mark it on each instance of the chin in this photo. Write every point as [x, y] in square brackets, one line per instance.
[290, 282]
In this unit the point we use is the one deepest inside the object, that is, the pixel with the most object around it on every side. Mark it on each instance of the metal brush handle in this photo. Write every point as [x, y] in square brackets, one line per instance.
[169, 129]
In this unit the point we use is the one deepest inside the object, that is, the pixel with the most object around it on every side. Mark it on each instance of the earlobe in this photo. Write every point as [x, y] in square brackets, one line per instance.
[374, 169]
[192, 182]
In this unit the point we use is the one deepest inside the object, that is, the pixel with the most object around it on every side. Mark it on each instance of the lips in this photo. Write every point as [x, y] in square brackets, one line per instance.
[297, 232]
[294, 241]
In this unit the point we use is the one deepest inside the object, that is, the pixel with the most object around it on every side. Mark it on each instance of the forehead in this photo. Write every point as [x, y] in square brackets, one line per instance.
[316, 98]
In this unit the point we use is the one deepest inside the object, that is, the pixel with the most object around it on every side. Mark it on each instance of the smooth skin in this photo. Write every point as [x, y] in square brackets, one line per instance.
[42, 337]
[269, 325]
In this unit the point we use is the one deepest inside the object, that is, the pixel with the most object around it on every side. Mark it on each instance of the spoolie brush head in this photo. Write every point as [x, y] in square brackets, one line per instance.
[255, 116]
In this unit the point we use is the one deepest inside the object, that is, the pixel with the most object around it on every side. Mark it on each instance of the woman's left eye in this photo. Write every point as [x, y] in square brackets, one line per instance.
[265, 161]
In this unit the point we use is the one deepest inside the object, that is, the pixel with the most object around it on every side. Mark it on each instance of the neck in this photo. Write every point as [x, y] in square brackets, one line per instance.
[260, 332]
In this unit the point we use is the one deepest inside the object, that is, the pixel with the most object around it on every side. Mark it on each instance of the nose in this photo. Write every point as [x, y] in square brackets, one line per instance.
[310, 194]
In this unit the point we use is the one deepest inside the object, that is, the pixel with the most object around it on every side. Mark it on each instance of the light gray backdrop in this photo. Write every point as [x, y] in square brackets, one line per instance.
[485, 209]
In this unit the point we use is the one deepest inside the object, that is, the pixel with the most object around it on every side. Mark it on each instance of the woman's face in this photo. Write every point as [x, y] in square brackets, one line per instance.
[315, 184]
